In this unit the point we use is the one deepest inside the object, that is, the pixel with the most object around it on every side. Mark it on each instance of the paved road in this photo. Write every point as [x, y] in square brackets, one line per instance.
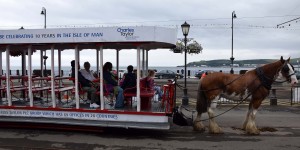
[283, 121]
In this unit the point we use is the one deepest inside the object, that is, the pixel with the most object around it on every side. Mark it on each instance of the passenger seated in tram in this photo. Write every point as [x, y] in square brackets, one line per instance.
[112, 85]
[85, 85]
[129, 79]
[86, 72]
[150, 84]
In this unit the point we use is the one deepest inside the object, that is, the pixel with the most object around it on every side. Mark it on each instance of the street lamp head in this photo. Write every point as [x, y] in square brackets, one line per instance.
[43, 12]
[45, 57]
[185, 28]
[233, 14]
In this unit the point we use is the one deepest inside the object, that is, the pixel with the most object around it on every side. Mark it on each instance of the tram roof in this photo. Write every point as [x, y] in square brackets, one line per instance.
[147, 37]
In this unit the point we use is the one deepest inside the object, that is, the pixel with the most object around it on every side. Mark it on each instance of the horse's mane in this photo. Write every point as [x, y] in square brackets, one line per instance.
[273, 68]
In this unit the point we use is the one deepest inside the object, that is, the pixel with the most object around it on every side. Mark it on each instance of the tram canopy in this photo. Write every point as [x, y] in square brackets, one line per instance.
[147, 37]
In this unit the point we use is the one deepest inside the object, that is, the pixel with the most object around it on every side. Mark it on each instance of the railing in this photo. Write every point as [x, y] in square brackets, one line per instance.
[227, 101]
[273, 98]
[295, 95]
[35, 72]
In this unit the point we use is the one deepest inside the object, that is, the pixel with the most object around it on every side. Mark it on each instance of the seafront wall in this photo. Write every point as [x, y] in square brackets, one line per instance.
[191, 71]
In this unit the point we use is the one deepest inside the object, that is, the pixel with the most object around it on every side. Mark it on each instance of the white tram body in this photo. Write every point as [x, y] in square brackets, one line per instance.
[52, 110]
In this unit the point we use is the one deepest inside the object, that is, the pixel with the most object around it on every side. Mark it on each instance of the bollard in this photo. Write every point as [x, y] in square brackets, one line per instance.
[273, 98]
[189, 73]
[61, 73]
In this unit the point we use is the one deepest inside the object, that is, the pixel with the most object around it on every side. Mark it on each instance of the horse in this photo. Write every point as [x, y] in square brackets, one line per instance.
[253, 86]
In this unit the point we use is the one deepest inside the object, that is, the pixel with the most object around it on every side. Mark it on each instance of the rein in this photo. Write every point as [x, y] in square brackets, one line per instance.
[240, 102]
[181, 87]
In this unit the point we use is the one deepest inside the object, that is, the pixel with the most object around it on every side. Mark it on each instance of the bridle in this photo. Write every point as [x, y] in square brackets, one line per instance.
[285, 69]
[267, 81]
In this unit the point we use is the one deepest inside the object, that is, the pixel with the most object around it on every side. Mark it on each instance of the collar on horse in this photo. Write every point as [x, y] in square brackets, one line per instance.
[265, 81]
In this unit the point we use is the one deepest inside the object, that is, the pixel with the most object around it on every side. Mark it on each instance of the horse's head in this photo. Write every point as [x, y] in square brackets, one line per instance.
[287, 72]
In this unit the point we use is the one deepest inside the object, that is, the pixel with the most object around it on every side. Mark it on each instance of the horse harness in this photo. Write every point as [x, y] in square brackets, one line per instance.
[285, 69]
[265, 81]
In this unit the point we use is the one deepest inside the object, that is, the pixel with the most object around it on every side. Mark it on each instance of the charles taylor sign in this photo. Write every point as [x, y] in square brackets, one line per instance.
[76, 35]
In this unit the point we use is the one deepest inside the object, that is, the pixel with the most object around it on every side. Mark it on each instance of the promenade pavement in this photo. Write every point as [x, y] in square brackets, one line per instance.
[271, 120]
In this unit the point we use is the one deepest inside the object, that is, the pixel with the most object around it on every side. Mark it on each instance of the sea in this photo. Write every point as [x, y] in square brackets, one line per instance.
[191, 71]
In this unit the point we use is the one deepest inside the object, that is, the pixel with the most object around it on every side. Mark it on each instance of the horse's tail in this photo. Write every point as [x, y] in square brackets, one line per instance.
[201, 99]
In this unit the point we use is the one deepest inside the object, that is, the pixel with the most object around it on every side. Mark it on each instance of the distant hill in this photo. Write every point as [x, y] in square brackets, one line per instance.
[241, 63]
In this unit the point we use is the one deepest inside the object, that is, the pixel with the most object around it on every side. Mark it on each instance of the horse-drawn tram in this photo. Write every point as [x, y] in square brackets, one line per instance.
[41, 99]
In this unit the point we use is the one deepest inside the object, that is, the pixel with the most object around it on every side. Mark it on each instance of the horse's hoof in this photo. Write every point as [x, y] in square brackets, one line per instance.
[253, 132]
[199, 127]
[201, 130]
[217, 131]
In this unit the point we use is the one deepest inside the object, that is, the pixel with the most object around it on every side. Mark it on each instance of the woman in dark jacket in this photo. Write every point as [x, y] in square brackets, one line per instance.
[110, 80]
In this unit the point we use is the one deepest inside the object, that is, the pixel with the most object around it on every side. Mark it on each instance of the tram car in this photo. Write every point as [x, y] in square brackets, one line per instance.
[50, 98]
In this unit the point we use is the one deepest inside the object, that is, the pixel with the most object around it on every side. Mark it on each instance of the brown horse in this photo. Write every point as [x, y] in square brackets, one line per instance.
[254, 86]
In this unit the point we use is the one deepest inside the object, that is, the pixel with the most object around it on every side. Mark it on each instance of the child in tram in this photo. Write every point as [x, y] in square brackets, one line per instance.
[152, 85]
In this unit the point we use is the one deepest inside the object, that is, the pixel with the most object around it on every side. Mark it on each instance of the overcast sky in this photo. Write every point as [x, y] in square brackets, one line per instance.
[255, 32]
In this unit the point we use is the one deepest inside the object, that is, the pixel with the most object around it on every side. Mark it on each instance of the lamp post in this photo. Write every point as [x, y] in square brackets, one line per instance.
[233, 15]
[185, 30]
[45, 59]
[45, 14]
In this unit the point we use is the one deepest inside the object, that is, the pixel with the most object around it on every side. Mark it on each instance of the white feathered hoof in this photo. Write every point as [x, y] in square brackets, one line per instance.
[199, 127]
[252, 130]
[215, 130]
